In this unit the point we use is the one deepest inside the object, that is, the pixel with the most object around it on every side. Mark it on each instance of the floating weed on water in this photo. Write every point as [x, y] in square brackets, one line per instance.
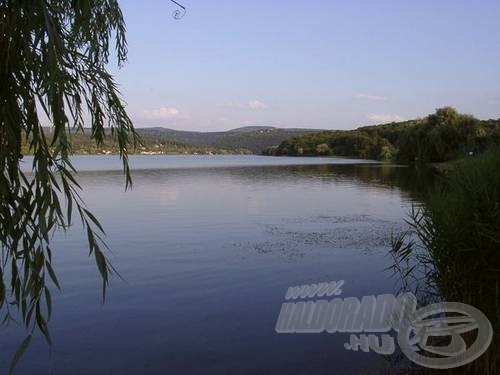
[304, 235]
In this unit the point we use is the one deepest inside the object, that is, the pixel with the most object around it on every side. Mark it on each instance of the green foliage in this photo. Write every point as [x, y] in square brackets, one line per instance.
[445, 135]
[458, 230]
[83, 144]
[323, 149]
[252, 138]
[53, 57]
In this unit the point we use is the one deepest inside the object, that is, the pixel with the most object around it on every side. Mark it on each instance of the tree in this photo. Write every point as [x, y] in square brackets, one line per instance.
[323, 149]
[53, 59]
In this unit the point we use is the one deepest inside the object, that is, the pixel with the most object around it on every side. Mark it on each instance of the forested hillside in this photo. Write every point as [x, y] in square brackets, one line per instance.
[245, 140]
[251, 138]
[442, 136]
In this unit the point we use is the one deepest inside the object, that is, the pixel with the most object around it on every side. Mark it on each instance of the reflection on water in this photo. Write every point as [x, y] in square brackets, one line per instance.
[206, 256]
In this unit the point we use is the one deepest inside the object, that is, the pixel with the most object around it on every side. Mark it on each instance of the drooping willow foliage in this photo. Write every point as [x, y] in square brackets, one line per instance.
[53, 59]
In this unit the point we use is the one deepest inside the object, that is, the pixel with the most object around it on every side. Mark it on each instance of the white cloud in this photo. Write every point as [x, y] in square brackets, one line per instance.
[256, 104]
[162, 113]
[380, 118]
[371, 97]
[251, 104]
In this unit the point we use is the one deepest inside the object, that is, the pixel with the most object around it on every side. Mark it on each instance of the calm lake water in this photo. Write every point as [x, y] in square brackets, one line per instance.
[207, 247]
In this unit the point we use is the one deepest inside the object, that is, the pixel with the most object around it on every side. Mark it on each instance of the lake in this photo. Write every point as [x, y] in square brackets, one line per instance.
[207, 247]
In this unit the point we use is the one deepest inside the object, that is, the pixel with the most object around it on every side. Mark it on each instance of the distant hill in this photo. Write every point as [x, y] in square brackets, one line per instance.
[247, 129]
[244, 140]
[252, 138]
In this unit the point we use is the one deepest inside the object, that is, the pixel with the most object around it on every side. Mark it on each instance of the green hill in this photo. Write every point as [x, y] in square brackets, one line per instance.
[245, 140]
[443, 136]
[252, 138]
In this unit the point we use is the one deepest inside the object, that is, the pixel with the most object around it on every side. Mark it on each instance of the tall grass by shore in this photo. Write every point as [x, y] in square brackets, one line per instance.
[455, 239]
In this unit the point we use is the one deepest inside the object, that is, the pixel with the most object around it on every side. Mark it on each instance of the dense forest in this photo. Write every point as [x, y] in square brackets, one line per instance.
[442, 136]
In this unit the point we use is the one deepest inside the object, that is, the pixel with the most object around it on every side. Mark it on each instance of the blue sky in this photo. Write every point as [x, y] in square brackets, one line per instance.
[315, 64]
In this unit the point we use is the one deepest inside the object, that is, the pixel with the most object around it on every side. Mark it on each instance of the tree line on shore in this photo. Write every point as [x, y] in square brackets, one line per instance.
[442, 136]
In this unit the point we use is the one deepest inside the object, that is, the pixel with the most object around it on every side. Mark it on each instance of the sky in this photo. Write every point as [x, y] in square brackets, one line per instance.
[309, 64]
